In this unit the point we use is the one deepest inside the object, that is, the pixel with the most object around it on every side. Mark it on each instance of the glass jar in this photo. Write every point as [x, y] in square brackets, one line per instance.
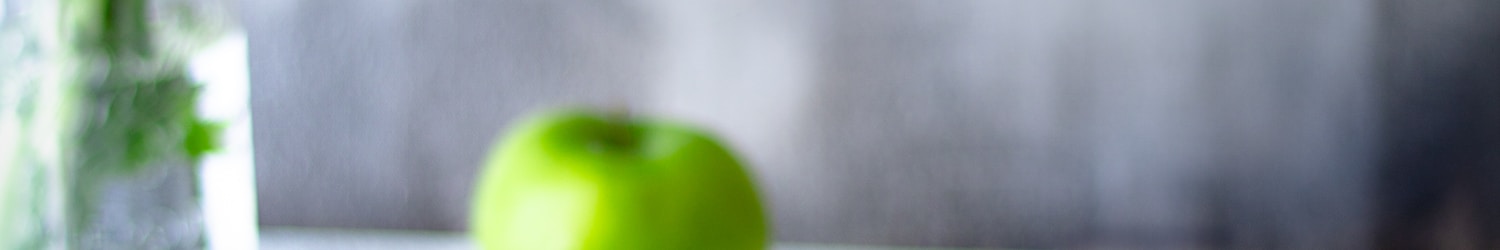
[104, 103]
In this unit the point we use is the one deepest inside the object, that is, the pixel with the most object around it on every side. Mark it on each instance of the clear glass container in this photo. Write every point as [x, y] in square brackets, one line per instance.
[101, 130]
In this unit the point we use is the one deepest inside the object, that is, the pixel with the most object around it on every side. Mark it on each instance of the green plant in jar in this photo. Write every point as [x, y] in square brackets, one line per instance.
[99, 136]
[138, 137]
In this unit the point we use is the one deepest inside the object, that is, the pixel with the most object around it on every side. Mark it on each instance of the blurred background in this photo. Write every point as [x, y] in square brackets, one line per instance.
[1252, 124]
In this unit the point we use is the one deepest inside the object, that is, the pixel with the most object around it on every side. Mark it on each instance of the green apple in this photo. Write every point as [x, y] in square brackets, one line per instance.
[576, 179]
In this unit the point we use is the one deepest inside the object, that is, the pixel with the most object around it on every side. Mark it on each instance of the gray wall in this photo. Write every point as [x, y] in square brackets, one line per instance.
[969, 123]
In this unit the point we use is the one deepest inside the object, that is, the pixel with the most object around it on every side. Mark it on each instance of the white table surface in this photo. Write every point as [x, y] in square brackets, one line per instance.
[333, 239]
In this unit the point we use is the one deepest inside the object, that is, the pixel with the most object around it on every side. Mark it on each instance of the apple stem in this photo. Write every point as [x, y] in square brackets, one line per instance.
[619, 113]
[619, 135]
[619, 110]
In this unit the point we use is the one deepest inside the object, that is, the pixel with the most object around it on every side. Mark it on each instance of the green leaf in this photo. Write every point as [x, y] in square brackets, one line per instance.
[202, 137]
